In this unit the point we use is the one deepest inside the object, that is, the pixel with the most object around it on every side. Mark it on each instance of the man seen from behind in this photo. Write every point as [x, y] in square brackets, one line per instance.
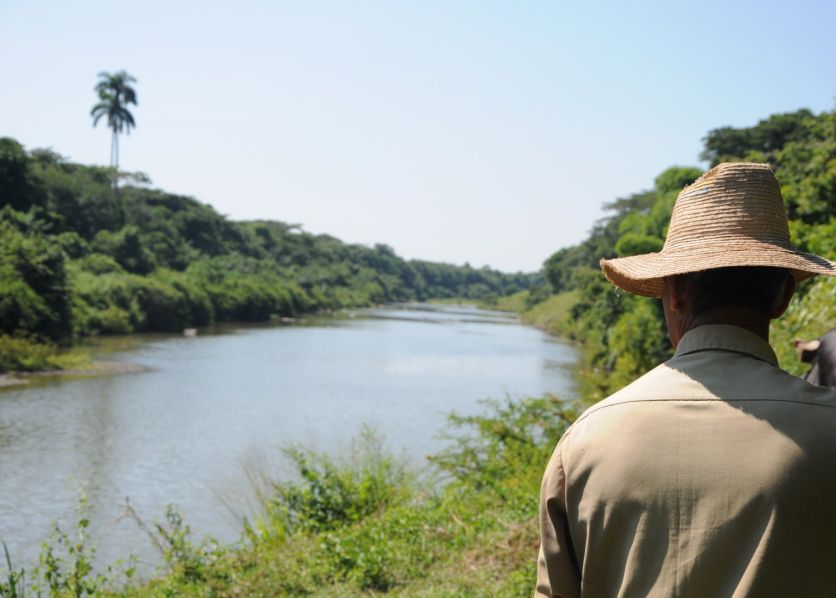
[715, 473]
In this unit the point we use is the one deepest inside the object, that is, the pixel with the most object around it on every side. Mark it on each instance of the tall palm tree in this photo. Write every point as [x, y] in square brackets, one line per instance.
[115, 94]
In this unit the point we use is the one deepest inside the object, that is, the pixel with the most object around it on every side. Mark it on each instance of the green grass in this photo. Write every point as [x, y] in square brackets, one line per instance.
[554, 315]
[453, 301]
[515, 302]
[25, 355]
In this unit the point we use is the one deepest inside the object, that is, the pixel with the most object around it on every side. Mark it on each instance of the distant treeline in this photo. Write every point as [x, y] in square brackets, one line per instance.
[622, 335]
[80, 257]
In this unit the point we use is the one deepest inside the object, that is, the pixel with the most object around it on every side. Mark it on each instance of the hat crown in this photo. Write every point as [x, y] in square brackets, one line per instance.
[731, 202]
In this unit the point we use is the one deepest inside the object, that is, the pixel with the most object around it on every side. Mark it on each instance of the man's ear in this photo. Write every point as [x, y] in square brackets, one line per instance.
[680, 296]
[789, 291]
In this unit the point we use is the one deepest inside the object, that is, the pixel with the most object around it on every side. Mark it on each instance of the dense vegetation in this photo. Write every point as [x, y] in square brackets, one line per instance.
[80, 257]
[367, 525]
[621, 335]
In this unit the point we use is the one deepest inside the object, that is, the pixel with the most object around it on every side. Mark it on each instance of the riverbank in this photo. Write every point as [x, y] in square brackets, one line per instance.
[95, 368]
[98, 261]
[465, 525]
[337, 524]
[553, 315]
[370, 523]
[361, 525]
[22, 357]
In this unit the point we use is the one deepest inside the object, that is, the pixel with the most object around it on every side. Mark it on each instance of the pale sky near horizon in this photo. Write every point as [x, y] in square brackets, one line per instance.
[469, 131]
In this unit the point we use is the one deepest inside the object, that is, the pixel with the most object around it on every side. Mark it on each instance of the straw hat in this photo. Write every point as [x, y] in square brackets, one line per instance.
[733, 215]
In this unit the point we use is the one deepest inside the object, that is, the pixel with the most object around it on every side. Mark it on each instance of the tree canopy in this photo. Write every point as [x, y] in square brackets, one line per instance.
[77, 259]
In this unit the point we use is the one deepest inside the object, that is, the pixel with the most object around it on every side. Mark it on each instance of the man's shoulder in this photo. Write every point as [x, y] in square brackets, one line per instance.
[672, 406]
[642, 390]
[659, 384]
[734, 379]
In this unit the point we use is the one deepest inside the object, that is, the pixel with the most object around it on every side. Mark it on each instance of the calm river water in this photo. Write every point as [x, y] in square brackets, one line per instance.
[210, 408]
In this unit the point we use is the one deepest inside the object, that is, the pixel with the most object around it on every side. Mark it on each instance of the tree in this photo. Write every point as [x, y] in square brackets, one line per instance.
[728, 144]
[15, 184]
[115, 95]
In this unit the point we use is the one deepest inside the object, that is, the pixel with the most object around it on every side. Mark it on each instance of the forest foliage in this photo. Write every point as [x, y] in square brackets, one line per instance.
[622, 335]
[79, 257]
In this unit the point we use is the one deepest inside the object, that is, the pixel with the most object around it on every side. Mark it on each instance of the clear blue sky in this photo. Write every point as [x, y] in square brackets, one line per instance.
[487, 132]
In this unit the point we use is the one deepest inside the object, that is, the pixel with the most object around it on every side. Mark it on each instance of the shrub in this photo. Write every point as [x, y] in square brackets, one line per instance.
[197, 301]
[66, 564]
[34, 296]
[97, 263]
[21, 354]
[14, 584]
[330, 495]
[72, 244]
[111, 320]
[513, 438]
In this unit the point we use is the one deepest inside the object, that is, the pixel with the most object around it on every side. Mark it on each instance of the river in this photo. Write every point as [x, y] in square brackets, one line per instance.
[209, 409]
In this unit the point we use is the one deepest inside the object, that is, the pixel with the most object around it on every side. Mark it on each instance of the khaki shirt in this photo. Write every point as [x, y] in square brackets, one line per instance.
[712, 475]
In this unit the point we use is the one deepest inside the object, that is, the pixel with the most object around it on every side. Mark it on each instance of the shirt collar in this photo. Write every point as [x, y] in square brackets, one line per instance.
[724, 337]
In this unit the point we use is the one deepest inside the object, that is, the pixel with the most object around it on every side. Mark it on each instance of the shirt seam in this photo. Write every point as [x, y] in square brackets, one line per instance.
[744, 342]
[728, 349]
[698, 399]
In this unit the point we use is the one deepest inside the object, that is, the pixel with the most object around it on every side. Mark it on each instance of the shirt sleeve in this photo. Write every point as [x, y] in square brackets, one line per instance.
[558, 574]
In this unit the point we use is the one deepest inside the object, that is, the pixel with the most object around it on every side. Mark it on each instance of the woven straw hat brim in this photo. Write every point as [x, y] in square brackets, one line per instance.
[644, 274]
[733, 215]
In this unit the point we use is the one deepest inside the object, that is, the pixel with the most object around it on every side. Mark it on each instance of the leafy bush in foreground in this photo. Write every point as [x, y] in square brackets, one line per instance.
[330, 495]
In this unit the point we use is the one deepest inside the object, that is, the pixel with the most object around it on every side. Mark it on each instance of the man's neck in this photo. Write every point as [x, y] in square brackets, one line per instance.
[749, 319]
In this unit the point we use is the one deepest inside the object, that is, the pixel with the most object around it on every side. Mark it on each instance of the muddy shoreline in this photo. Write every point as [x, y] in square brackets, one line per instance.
[98, 368]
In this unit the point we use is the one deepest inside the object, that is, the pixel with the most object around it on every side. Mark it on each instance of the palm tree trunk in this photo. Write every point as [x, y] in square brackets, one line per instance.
[114, 158]
[114, 149]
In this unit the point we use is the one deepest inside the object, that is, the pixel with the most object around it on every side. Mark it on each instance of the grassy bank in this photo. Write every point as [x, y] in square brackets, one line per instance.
[358, 526]
[554, 315]
[24, 355]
